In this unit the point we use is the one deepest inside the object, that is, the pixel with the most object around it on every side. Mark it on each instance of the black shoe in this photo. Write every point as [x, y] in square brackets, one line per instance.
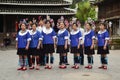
[67, 64]
[42, 64]
[60, 63]
[82, 64]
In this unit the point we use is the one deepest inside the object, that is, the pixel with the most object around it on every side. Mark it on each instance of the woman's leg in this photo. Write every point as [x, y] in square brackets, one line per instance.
[46, 60]
[20, 62]
[25, 62]
[60, 59]
[102, 62]
[90, 61]
[105, 61]
[29, 60]
[77, 60]
[64, 59]
[51, 58]
[81, 58]
[32, 62]
[37, 62]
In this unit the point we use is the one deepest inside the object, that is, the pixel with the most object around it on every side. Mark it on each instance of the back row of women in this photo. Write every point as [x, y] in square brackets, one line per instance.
[41, 40]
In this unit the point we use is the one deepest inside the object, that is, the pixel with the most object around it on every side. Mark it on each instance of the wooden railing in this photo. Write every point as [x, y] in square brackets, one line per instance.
[34, 1]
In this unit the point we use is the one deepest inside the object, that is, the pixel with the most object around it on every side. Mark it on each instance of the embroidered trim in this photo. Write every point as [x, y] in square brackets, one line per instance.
[32, 33]
[107, 38]
[47, 31]
[16, 39]
[29, 39]
[61, 31]
[40, 39]
[93, 37]
[74, 32]
[66, 37]
[20, 33]
[101, 32]
[81, 38]
[54, 36]
[87, 32]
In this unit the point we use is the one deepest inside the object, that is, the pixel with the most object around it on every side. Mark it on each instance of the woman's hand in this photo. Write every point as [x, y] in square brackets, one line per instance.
[78, 46]
[92, 47]
[104, 47]
[26, 47]
[65, 46]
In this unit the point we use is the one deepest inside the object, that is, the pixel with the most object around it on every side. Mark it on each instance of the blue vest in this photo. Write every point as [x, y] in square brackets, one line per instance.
[75, 39]
[102, 37]
[88, 38]
[62, 37]
[35, 37]
[48, 37]
[22, 39]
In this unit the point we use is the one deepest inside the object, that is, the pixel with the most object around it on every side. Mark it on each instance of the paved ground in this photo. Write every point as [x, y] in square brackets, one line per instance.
[9, 59]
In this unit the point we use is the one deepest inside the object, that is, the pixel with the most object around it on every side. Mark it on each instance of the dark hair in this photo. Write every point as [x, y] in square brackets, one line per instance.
[34, 24]
[49, 22]
[102, 23]
[22, 23]
[75, 24]
[89, 24]
[62, 22]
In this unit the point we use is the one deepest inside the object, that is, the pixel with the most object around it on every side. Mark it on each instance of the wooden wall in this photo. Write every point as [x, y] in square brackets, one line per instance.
[109, 9]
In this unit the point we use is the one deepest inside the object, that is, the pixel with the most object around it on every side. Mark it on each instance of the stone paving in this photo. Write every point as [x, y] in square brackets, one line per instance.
[9, 64]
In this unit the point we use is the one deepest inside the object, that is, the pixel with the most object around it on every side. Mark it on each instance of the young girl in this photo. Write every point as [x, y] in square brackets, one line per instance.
[75, 37]
[103, 39]
[89, 44]
[22, 45]
[82, 43]
[62, 44]
[40, 26]
[34, 51]
[49, 38]
[42, 55]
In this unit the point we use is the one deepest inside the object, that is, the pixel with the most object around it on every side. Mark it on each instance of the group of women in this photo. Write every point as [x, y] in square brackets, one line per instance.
[44, 40]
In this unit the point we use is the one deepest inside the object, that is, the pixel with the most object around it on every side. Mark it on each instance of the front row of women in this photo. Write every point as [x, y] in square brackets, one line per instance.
[32, 42]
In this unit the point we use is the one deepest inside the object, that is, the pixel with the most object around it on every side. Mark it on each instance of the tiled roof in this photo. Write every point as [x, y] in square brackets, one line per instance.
[35, 2]
[33, 10]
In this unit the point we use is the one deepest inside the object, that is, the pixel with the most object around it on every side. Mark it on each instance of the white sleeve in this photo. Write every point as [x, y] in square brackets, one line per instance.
[16, 39]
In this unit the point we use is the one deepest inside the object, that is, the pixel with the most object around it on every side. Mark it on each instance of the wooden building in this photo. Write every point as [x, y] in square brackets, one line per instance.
[110, 11]
[14, 10]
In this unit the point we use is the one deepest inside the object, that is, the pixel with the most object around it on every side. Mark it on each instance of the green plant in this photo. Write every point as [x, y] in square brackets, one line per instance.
[85, 10]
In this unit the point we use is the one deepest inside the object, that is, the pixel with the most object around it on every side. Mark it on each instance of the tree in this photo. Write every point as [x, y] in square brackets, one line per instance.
[73, 6]
[85, 10]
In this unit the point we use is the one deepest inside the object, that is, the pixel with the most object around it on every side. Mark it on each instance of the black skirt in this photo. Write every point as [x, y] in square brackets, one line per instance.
[34, 51]
[75, 50]
[61, 49]
[88, 51]
[48, 48]
[100, 50]
[22, 51]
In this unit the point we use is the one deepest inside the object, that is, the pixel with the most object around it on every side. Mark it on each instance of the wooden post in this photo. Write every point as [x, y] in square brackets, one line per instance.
[4, 23]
